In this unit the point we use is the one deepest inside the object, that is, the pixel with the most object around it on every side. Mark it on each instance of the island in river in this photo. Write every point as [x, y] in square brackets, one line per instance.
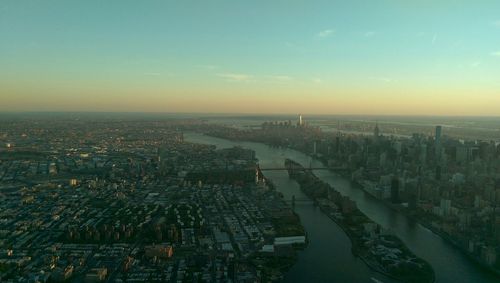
[379, 249]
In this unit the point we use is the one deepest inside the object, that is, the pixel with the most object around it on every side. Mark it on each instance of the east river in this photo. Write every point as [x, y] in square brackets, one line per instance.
[328, 256]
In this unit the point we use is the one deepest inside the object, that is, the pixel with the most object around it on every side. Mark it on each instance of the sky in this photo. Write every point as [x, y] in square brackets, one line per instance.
[378, 57]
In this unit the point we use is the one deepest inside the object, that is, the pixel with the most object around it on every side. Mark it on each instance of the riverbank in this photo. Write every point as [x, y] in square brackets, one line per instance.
[463, 249]
[399, 208]
[317, 263]
[420, 220]
[275, 261]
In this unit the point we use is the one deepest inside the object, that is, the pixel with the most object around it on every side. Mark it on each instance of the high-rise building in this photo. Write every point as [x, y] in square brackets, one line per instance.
[423, 153]
[376, 131]
[445, 206]
[438, 134]
[438, 173]
[337, 144]
[462, 154]
[301, 121]
[437, 143]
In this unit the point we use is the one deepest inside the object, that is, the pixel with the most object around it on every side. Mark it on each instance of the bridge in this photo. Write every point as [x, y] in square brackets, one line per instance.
[303, 169]
[293, 168]
[300, 201]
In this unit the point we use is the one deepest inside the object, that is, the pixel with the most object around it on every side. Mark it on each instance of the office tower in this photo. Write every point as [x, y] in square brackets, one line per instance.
[437, 143]
[423, 153]
[438, 173]
[438, 134]
[376, 131]
[337, 144]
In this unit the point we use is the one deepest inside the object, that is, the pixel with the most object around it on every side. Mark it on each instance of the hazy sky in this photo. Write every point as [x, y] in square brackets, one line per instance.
[288, 56]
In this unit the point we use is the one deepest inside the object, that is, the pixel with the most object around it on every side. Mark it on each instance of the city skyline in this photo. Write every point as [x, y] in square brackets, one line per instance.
[250, 141]
[328, 57]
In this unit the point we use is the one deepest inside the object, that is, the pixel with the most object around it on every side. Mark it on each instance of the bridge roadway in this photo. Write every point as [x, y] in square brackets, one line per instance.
[283, 168]
[299, 201]
[301, 168]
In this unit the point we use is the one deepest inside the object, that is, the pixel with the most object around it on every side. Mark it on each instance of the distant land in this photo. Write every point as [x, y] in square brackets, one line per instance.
[463, 127]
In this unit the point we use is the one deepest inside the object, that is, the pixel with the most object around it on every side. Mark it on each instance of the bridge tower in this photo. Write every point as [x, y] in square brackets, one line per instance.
[257, 169]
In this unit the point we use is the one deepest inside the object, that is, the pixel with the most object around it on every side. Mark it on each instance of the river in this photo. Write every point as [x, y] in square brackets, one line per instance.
[328, 257]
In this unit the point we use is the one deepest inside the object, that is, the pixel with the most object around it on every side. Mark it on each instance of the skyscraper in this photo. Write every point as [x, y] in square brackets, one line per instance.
[376, 131]
[438, 135]
[301, 122]
[437, 143]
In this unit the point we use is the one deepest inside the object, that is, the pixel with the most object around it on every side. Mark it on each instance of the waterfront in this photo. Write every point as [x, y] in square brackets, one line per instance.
[328, 258]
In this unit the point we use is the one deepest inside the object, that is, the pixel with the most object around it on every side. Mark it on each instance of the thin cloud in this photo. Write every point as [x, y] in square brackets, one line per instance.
[475, 64]
[152, 74]
[281, 78]
[370, 34]
[434, 39]
[383, 79]
[325, 33]
[496, 24]
[496, 53]
[236, 77]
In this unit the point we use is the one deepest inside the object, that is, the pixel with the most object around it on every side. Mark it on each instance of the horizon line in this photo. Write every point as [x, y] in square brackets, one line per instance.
[3, 112]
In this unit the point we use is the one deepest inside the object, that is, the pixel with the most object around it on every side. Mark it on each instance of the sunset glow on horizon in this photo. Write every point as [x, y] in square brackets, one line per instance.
[327, 57]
